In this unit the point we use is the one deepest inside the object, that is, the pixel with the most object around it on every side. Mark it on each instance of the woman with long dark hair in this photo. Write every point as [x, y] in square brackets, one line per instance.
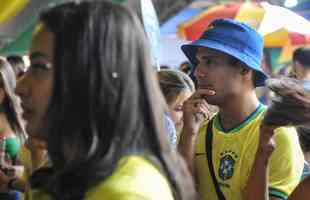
[101, 114]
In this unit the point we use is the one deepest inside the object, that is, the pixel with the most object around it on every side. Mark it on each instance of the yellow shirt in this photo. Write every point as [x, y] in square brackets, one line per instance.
[233, 154]
[25, 160]
[135, 178]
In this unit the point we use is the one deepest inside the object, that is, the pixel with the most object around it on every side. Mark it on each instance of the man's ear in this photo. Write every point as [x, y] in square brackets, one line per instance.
[244, 70]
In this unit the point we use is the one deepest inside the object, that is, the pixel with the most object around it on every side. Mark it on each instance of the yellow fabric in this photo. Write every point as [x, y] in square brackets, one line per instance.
[286, 53]
[278, 38]
[251, 14]
[9, 8]
[286, 163]
[135, 179]
[25, 159]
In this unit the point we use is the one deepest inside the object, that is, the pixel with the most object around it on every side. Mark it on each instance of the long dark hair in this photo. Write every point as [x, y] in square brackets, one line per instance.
[11, 102]
[106, 102]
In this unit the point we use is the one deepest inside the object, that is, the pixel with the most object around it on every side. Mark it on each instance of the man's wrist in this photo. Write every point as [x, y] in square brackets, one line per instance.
[188, 131]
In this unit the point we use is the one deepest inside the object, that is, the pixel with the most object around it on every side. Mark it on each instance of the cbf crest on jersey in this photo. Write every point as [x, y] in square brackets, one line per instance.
[227, 164]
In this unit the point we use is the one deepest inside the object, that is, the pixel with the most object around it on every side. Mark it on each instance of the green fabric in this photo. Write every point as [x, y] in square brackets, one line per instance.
[252, 116]
[21, 45]
[274, 55]
[119, 1]
[12, 146]
[273, 192]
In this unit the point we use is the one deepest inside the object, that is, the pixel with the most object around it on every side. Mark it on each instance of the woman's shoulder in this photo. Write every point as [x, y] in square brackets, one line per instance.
[135, 178]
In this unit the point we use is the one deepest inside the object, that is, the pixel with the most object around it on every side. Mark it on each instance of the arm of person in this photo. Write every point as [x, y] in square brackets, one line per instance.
[302, 192]
[286, 163]
[186, 148]
[195, 112]
[258, 180]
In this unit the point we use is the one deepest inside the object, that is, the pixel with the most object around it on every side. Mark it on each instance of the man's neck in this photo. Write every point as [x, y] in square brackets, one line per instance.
[237, 110]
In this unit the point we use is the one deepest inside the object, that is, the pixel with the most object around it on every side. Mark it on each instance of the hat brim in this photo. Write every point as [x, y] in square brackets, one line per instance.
[190, 51]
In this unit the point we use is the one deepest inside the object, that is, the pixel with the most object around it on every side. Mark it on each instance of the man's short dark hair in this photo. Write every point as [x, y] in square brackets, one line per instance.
[302, 55]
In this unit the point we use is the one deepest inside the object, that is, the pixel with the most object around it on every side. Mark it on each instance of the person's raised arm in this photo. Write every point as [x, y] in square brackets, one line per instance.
[195, 112]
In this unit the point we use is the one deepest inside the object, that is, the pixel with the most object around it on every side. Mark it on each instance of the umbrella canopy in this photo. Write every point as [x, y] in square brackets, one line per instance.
[254, 14]
[17, 22]
[18, 19]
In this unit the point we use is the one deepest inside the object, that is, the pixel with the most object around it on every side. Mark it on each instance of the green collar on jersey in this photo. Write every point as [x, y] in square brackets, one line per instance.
[217, 122]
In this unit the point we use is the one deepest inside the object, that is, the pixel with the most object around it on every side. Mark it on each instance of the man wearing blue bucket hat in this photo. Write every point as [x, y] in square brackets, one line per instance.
[220, 152]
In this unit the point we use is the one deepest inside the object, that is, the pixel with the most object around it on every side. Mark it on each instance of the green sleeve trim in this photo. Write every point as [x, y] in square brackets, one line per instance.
[274, 192]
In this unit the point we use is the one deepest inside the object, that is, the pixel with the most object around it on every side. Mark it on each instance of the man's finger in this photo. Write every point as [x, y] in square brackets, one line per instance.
[201, 93]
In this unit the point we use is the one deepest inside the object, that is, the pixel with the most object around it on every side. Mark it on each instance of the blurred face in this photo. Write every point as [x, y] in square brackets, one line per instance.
[215, 72]
[36, 87]
[298, 71]
[176, 109]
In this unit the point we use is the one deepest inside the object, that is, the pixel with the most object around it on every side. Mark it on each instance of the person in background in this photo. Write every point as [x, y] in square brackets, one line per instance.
[304, 137]
[18, 65]
[176, 87]
[32, 154]
[12, 129]
[220, 150]
[301, 65]
[101, 113]
[301, 71]
[189, 69]
[290, 107]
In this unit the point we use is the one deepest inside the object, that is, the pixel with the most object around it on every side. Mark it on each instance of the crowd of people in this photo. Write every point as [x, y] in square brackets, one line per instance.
[91, 119]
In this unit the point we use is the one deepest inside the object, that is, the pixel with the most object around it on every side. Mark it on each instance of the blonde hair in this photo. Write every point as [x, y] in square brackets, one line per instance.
[173, 83]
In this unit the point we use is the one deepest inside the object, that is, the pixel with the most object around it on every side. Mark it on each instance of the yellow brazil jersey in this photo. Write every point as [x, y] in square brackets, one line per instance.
[233, 154]
[135, 178]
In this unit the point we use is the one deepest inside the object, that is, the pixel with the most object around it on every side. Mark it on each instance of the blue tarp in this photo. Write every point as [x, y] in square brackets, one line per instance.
[170, 26]
[303, 9]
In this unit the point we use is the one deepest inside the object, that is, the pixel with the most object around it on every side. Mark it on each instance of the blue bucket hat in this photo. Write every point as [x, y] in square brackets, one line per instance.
[235, 39]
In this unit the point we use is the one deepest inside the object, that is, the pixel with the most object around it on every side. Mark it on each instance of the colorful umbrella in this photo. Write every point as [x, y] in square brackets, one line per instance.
[252, 13]
[18, 19]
